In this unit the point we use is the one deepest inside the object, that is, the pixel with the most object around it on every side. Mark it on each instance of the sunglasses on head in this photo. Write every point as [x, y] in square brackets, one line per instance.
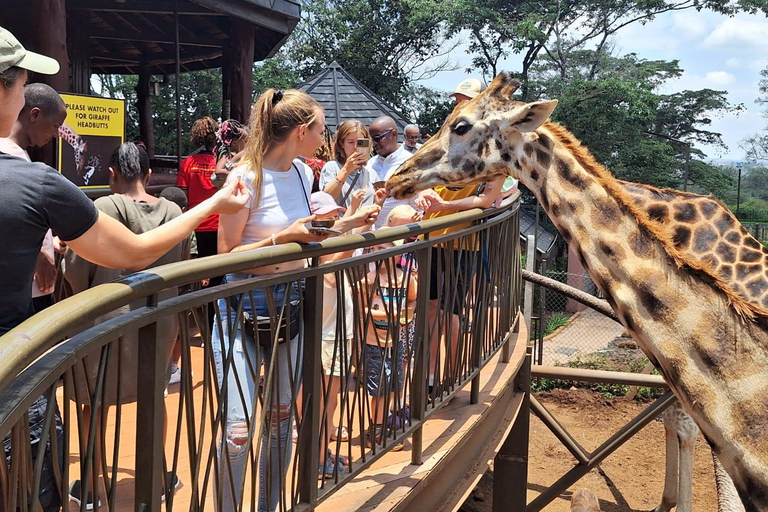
[380, 137]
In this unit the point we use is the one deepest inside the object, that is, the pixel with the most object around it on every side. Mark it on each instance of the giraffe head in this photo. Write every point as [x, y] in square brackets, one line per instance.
[479, 141]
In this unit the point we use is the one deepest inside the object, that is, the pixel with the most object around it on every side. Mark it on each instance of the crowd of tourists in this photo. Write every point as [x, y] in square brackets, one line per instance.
[280, 177]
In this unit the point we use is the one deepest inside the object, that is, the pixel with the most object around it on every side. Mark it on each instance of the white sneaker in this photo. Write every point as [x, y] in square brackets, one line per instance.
[175, 374]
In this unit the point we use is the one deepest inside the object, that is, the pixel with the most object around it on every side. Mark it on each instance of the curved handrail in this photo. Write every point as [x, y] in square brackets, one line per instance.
[33, 337]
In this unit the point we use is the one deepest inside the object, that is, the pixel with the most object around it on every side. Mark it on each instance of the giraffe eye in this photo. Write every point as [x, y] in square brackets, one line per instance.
[461, 128]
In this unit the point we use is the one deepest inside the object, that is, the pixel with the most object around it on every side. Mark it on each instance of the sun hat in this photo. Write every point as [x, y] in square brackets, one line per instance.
[12, 53]
[470, 88]
[321, 203]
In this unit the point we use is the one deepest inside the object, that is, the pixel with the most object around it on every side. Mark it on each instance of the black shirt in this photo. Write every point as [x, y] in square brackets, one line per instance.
[33, 198]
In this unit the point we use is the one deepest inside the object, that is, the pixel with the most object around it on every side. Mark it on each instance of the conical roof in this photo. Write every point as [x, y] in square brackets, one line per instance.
[343, 97]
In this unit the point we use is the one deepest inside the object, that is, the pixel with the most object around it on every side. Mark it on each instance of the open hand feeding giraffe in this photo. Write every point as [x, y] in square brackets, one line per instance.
[683, 276]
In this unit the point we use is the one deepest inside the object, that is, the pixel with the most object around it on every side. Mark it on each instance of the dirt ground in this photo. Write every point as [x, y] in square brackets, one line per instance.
[630, 479]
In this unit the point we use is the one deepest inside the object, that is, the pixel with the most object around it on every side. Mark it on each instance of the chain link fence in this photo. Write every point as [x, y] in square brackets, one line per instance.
[566, 333]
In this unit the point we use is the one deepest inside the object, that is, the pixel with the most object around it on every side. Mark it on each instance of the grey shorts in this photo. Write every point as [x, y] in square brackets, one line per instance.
[380, 372]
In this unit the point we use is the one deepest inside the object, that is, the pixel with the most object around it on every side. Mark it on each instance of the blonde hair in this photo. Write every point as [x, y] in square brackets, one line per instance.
[342, 132]
[401, 212]
[273, 117]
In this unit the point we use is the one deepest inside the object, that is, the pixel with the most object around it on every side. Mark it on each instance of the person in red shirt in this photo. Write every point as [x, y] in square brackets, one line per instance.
[195, 180]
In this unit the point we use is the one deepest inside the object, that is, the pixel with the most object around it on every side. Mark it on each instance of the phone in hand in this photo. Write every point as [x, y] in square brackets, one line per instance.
[364, 146]
[323, 231]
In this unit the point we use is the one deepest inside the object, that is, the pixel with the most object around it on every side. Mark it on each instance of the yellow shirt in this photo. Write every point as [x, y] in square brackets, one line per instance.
[451, 195]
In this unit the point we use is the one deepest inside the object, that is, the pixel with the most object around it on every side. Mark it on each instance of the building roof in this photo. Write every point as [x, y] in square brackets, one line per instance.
[125, 33]
[545, 240]
[343, 97]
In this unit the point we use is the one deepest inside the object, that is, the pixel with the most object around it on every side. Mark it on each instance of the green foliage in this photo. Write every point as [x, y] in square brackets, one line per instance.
[428, 108]
[554, 322]
[386, 44]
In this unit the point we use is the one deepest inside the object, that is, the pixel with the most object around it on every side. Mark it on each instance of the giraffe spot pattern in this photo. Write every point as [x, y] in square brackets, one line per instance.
[733, 237]
[708, 209]
[750, 420]
[507, 157]
[682, 237]
[575, 207]
[557, 210]
[752, 243]
[749, 256]
[726, 252]
[535, 175]
[498, 144]
[570, 176]
[703, 239]
[685, 212]
[655, 306]
[757, 287]
[640, 245]
[726, 272]
[743, 272]
[546, 142]
[614, 253]
[752, 494]
[528, 149]
[724, 224]
[659, 213]
[606, 214]
[543, 157]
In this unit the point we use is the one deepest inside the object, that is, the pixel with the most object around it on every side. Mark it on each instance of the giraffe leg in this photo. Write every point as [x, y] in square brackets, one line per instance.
[687, 434]
[669, 497]
[727, 497]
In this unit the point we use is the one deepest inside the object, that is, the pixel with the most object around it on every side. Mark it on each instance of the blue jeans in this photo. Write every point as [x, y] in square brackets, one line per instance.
[238, 360]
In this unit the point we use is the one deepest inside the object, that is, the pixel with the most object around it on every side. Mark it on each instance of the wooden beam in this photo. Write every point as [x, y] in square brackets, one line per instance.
[139, 7]
[242, 69]
[157, 37]
[51, 35]
[79, 46]
[144, 108]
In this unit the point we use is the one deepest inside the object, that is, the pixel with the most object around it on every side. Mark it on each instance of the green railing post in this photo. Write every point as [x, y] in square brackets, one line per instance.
[150, 411]
[510, 466]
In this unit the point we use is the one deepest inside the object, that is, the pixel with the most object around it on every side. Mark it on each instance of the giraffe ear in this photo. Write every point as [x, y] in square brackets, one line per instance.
[533, 115]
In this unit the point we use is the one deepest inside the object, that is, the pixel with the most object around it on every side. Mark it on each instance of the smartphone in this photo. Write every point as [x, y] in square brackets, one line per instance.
[324, 231]
[363, 145]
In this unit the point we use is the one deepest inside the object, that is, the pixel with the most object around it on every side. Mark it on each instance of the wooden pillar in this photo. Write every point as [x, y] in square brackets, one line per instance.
[79, 48]
[242, 69]
[50, 20]
[144, 108]
[226, 83]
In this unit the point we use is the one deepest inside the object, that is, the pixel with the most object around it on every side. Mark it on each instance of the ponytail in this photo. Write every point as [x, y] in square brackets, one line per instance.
[274, 115]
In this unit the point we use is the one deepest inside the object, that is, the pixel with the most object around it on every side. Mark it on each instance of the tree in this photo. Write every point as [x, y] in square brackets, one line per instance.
[556, 28]
[756, 146]
[640, 135]
[428, 108]
[386, 44]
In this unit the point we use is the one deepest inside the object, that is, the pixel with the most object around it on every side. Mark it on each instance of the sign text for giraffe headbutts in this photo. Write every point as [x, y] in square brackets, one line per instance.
[94, 127]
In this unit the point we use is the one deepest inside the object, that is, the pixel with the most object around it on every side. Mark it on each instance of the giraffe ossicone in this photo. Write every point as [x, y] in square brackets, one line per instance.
[683, 276]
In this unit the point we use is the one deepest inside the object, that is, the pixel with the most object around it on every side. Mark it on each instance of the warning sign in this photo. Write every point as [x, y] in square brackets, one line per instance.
[94, 127]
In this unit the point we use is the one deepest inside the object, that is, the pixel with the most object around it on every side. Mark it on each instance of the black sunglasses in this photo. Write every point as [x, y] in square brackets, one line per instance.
[380, 137]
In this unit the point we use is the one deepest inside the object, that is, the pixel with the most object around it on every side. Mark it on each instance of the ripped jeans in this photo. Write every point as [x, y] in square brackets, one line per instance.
[238, 360]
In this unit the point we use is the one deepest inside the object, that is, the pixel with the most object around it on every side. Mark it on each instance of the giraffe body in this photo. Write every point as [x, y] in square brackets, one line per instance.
[691, 285]
[584, 500]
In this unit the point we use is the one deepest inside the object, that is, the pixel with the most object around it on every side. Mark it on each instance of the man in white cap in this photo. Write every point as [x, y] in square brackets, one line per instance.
[467, 89]
[36, 198]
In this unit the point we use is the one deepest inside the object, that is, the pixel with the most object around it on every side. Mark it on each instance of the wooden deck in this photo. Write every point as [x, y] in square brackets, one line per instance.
[459, 441]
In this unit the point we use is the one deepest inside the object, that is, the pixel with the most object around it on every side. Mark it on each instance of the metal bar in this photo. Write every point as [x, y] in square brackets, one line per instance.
[630, 379]
[177, 93]
[511, 462]
[560, 432]
[421, 353]
[607, 448]
[308, 454]
[150, 412]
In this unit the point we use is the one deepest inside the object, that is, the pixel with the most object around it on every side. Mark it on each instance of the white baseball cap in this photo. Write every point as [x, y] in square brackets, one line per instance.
[470, 88]
[12, 53]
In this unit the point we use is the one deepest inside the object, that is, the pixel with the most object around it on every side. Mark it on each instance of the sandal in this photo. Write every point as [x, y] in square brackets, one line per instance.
[340, 433]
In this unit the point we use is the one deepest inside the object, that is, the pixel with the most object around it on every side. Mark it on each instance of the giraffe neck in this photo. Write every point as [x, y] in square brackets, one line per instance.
[714, 360]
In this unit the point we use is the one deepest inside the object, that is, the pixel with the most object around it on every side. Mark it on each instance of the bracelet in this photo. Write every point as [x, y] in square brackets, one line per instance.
[340, 182]
[274, 240]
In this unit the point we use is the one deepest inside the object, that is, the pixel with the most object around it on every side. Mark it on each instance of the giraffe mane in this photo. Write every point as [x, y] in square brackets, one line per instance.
[681, 257]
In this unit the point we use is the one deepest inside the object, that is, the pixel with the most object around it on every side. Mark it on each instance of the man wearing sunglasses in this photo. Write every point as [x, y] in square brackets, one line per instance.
[389, 155]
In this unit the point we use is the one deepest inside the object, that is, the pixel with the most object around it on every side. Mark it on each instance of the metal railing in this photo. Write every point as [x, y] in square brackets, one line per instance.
[387, 337]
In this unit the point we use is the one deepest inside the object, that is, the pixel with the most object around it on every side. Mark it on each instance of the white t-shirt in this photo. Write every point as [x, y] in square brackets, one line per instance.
[365, 182]
[330, 310]
[11, 148]
[384, 168]
[284, 199]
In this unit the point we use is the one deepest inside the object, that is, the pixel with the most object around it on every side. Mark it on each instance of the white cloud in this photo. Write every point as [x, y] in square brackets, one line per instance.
[719, 78]
[740, 35]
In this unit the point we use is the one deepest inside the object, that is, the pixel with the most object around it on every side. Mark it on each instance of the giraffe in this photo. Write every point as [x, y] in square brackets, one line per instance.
[584, 500]
[681, 433]
[683, 276]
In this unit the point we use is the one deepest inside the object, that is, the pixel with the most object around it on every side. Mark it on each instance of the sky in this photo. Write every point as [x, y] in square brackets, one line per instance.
[715, 52]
